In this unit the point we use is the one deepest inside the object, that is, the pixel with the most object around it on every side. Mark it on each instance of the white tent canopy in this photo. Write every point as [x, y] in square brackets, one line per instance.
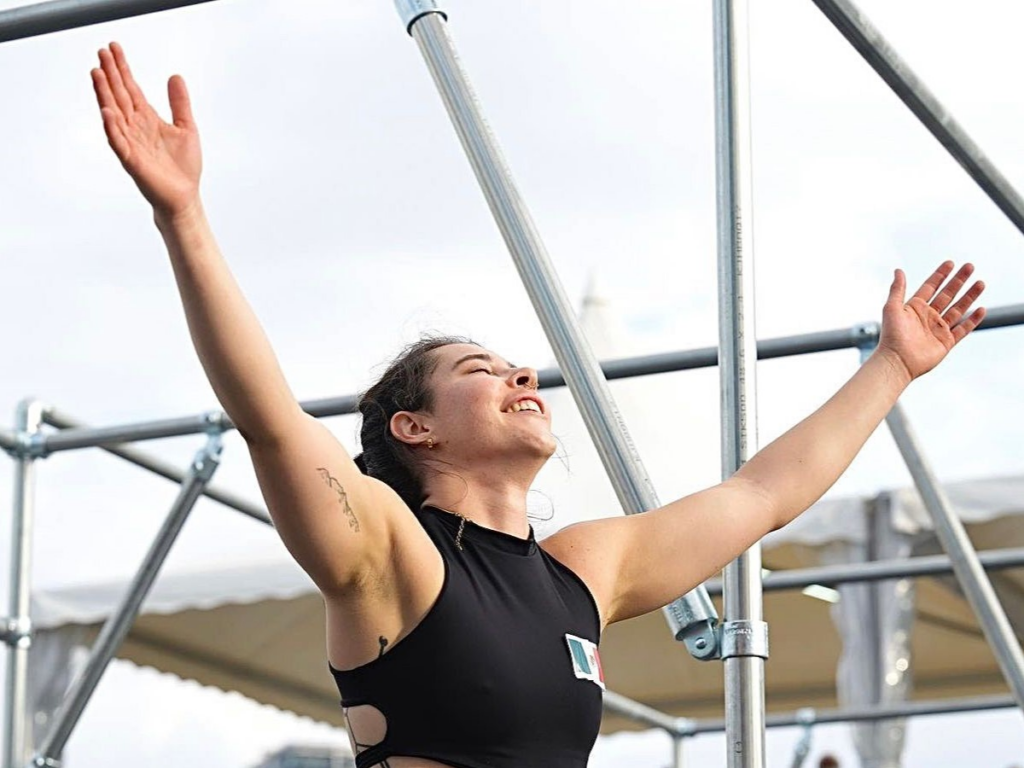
[258, 628]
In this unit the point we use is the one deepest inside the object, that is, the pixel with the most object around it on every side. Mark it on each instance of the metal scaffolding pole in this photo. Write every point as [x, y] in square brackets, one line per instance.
[867, 714]
[116, 628]
[17, 630]
[969, 572]
[59, 15]
[857, 336]
[163, 468]
[692, 618]
[744, 633]
[877, 52]
[8, 441]
[879, 570]
[686, 727]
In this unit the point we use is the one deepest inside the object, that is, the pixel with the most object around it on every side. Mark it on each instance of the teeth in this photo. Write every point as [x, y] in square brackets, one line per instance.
[524, 405]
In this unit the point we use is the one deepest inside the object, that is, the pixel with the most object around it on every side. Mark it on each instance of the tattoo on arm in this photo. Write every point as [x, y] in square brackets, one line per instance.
[353, 523]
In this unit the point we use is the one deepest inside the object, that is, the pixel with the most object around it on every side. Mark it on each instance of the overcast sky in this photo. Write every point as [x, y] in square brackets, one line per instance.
[347, 211]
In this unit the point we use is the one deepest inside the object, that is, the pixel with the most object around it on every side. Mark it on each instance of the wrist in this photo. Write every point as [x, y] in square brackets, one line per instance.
[896, 370]
[185, 218]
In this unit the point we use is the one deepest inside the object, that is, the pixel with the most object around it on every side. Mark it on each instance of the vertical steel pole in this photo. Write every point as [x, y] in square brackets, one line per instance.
[744, 634]
[117, 626]
[692, 618]
[18, 629]
[968, 569]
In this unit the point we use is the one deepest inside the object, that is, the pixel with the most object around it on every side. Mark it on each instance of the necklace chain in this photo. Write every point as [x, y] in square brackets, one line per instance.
[462, 525]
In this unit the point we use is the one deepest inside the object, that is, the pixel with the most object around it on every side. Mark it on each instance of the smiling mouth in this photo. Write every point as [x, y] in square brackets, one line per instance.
[523, 406]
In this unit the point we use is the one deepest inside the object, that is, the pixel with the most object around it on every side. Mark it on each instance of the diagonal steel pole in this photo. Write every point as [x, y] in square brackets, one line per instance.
[117, 626]
[882, 57]
[692, 618]
[968, 569]
[59, 15]
[163, 468]
[744, 633]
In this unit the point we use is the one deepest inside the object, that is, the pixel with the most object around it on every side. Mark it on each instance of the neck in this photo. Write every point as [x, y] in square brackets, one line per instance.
[495, 500]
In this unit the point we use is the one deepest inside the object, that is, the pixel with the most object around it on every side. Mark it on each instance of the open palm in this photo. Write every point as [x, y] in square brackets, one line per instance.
[163, 158]
[922, 331]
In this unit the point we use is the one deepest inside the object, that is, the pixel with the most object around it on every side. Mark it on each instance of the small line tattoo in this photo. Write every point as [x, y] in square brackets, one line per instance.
[353, 523]
[383, 644]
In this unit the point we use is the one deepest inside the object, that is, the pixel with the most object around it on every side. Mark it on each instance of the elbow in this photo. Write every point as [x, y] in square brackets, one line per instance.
[761, 500]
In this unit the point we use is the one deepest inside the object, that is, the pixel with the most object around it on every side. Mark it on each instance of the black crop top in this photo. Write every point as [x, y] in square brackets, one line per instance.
[502, 672]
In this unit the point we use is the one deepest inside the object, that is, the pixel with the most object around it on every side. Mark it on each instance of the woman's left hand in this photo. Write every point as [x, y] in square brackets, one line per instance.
[919, 333]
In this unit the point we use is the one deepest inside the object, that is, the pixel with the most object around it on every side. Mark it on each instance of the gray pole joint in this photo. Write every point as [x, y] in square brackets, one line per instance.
[17, 633]
[865, 335]
[207, 458]
[685, 727]
[701, 639]
[41, 761]
[412, 11]
[744, 638]
[217, 422]
[807, 716]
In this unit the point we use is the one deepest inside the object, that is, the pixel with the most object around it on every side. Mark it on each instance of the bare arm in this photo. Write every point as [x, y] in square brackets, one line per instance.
[640, 563]
[335, 521]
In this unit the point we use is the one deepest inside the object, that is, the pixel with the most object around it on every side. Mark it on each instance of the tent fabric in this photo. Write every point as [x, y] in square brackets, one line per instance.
[259, 630]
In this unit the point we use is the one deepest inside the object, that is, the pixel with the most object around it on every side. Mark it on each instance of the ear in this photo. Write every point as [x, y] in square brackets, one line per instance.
[410, 427]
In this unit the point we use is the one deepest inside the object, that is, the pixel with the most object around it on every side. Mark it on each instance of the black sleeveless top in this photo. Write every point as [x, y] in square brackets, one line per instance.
[488, 678]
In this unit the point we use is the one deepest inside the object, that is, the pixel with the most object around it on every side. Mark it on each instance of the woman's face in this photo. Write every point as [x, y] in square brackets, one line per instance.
[485, 408]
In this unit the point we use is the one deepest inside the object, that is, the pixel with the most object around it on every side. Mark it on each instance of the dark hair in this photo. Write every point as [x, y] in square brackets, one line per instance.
[403, 387]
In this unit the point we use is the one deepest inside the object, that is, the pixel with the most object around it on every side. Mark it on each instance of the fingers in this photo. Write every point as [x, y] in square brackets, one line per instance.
[931, 286]
[966, 326]
[113, 126]
[134, 92]
[104, 96]
[181, 105]
[952, 288]
[898, 289]
[121, 96]
[962, 307]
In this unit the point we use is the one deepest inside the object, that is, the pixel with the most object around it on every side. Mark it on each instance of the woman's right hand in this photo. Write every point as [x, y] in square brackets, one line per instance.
[163, 158]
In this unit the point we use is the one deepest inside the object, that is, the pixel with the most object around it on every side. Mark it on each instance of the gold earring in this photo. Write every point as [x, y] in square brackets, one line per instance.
[430, 443]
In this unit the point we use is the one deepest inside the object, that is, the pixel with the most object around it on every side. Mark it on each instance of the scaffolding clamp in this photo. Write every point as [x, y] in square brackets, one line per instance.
[207, 458]
[217, 423]
[17, 633]
[744, 638]
[42, 761]
[412, 11]
[701, 639]
[865, 336]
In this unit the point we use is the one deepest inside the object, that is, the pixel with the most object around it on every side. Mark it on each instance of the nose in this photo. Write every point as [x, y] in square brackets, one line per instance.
[524, 377]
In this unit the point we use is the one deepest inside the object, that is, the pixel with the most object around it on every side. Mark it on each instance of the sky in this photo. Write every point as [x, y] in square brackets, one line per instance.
[350, 217]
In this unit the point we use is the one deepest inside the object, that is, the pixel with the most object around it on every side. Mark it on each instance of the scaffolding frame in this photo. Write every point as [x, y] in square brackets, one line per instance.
[741, 641]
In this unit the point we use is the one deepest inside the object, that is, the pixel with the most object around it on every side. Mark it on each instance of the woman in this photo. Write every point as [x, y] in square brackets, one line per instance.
[454, 638]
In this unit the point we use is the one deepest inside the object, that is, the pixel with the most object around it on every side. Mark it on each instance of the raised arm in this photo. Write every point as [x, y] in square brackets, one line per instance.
[331, 517]
[640, 563]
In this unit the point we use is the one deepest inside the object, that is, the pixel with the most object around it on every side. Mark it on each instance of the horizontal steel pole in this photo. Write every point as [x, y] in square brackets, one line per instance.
[116, 628]
[681, 726]
[8, 441]
[621, 705]
[56, 16]
[165, 469]
[877, 52]
[865, 714]
[643, 365]
[833, 575]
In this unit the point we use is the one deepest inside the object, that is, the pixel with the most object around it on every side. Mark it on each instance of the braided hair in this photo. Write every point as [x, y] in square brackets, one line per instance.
[403, 387]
